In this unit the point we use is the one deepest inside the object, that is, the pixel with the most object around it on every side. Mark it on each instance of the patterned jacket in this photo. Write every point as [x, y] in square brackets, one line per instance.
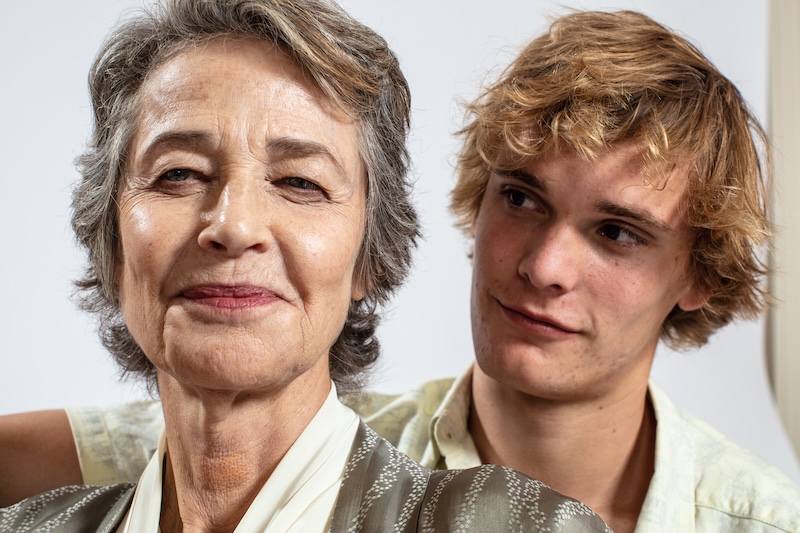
[384, 489]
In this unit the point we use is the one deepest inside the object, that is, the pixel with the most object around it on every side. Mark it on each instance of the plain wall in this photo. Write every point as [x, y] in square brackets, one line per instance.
[447, 49]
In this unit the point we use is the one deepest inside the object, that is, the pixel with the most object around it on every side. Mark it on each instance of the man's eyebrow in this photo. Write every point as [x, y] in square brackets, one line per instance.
[523, 176]
[293, 148]
[639, 215]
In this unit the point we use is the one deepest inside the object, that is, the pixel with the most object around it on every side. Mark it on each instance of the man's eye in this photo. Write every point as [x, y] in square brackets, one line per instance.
[177, 174]
[620, 234]
[517, 198]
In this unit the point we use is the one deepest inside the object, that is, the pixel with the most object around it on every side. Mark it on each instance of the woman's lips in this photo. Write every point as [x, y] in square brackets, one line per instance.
[230, 296]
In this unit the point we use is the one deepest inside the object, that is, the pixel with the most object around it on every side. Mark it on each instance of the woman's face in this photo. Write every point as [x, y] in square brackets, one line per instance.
[241, 218]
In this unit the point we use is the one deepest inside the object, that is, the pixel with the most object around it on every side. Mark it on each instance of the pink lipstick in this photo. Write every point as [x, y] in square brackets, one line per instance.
[230, 296]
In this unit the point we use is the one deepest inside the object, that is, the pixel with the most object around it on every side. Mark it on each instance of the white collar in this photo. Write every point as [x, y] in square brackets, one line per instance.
[298, 497]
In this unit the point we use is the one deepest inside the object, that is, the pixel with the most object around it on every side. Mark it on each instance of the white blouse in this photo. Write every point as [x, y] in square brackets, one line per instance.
[298, 497]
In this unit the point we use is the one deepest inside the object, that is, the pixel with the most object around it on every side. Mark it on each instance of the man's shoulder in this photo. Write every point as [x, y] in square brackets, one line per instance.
[392, 415]
[424, 397]
[733, 488]
[115, 442]
[69, 509]
[733, 481]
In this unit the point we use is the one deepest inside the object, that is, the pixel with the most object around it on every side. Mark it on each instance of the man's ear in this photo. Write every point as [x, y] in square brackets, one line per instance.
[693, 298]
[473, 226]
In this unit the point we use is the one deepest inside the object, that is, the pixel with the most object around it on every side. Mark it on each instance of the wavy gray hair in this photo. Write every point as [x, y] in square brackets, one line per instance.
[351, 64]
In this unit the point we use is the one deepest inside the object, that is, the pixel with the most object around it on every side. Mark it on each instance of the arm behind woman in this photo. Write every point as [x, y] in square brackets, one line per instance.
[37, 453]
[44, 450]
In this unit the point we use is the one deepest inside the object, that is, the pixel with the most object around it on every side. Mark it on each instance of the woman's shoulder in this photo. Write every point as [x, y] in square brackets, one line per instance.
[69, 509]
[384, 490]
[486, 497]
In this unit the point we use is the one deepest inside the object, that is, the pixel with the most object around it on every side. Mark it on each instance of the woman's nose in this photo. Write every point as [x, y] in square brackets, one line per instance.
[237, 223]
[554, 259]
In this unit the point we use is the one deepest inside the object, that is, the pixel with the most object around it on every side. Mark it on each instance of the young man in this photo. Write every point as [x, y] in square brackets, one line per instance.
[612, 186]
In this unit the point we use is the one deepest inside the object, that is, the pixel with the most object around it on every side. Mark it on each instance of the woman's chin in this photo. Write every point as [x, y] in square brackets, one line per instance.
[235, 373]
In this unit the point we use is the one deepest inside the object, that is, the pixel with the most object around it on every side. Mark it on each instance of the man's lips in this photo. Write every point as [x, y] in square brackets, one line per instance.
[536, 321]
[230, 296]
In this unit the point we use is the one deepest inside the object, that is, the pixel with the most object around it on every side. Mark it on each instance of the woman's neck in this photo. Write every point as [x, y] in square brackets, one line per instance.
[223, 446]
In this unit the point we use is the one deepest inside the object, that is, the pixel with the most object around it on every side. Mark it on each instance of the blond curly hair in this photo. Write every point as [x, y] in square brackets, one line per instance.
[596, 80]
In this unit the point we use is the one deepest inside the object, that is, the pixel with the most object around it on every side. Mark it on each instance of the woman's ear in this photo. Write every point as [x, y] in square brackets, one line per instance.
[359, 291]
[362, 284]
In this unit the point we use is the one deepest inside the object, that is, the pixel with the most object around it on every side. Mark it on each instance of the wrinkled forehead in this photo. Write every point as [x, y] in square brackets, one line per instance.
[232, 46]
[165, 81]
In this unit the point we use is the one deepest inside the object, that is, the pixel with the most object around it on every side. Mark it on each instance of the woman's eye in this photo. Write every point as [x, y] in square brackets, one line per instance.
[301, 189]
[177, 174]
[620, 234]
[300, 183]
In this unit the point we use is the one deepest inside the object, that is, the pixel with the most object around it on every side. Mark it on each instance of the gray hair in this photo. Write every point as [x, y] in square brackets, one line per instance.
[352, 65]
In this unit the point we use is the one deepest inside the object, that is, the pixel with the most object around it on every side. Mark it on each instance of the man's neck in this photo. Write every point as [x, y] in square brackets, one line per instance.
[599, 452]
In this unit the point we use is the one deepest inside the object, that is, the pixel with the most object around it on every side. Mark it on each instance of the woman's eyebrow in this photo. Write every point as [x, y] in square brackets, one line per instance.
[294, 148]
[279, 148]
[190, 140]
[181, 138]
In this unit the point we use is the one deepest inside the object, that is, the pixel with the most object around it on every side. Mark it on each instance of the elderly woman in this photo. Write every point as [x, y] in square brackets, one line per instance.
[245, 209]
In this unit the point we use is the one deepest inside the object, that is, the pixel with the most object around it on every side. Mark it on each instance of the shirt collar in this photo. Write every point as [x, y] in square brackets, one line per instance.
[298, 496]
[449, 430]
[669, 503]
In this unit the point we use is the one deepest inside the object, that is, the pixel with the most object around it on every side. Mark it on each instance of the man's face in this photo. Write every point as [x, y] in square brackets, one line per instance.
[576, 266]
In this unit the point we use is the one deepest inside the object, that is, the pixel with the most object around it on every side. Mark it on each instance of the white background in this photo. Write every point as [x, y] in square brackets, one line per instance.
[447, 49]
